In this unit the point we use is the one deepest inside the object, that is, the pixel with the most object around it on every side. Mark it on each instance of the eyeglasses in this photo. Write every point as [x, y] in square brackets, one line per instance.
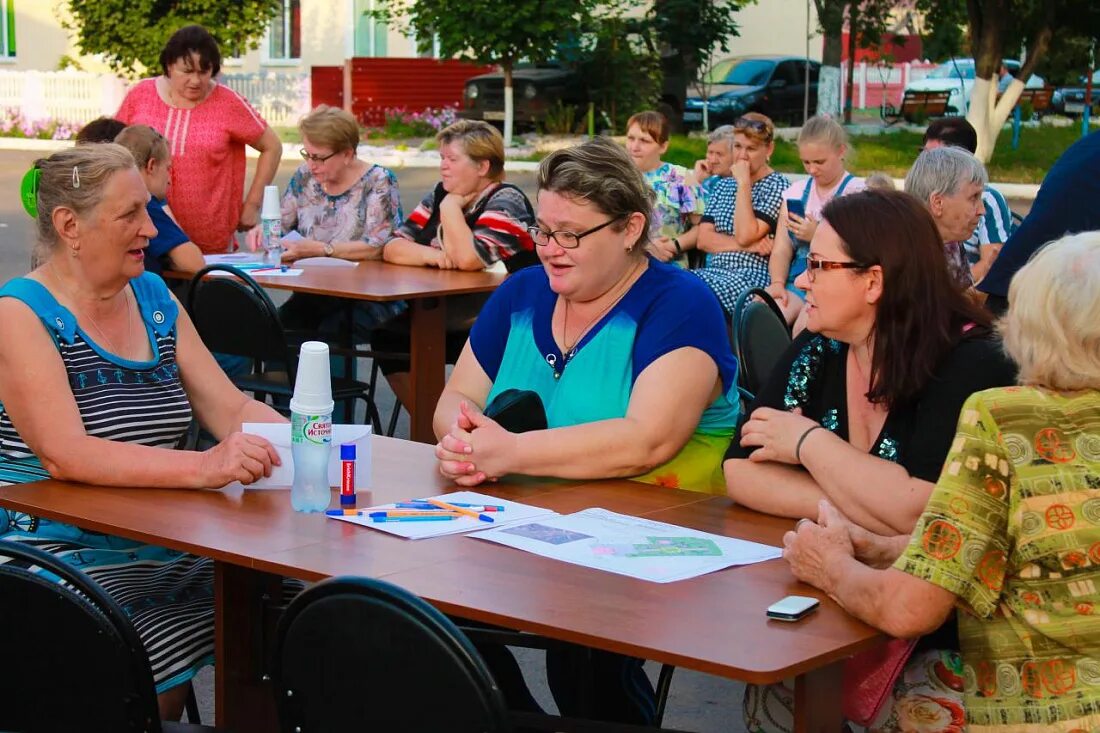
[814, 264]
[757, 126]
[310, 157]
[566, 240]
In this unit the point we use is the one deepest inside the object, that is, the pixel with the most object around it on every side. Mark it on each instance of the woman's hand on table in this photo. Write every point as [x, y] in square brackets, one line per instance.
[254, 239]
[775, 434]
[813, 548]
[299, 248]
[250, 216]
[240, 457]
[476, 449]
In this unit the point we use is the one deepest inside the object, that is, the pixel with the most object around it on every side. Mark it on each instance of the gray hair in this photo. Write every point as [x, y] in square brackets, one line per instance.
[723, 133]
[943, 171]
[74, 179]
[1051, 329]
[600, 172]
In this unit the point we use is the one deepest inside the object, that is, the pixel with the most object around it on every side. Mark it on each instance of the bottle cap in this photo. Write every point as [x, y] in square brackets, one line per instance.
[347, 451]
[271, 208]
[312, 386]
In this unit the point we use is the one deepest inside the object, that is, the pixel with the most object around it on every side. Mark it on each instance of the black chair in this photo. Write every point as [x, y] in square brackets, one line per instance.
[234, 315]
[76, 664]
[1017, 219]
[760, 334]
[360, 654]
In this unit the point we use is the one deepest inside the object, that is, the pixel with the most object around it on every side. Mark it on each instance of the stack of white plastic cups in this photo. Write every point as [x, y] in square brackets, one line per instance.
[311, 429]
[271, 226]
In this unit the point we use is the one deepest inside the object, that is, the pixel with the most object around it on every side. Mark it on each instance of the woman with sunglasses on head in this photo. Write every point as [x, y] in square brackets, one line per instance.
[630, 360]
[341, 206]
[741, 214]
[862, 407]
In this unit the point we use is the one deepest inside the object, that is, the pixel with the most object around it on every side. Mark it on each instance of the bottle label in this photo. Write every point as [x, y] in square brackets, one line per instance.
[310, 429]
[272, 229]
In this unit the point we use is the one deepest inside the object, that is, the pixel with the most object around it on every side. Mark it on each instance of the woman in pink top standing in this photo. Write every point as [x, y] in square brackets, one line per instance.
[207, 126]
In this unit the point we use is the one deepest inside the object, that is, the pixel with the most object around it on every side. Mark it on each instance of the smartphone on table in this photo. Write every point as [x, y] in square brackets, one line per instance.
[793, 608]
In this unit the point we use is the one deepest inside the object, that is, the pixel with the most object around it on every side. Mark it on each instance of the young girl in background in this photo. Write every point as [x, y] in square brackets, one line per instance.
[822, 145]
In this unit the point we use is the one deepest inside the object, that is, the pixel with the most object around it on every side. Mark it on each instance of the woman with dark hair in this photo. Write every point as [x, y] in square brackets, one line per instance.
[208, 126]
[861, 409]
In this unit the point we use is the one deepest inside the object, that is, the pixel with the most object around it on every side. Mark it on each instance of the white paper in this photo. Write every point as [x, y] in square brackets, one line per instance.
[325, 262]
[262, 271]
[283, 476]
[291, 236]
[513, 513]
[625, 545]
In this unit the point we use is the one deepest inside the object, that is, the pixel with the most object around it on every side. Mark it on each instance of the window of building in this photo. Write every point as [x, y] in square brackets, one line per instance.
[7, 29]
[370, 34]
[284, 37]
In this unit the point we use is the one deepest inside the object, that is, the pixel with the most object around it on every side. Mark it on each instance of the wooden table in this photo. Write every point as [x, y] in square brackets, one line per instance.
[426, 289]
[714, 623]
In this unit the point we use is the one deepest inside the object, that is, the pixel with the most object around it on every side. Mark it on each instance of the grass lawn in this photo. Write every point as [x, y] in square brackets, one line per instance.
[893, 153]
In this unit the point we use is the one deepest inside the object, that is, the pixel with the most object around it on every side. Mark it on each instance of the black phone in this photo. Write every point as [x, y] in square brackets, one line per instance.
[796, 207]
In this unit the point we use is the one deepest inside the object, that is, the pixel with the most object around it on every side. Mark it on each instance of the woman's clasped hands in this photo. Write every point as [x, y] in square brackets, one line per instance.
[475, 449]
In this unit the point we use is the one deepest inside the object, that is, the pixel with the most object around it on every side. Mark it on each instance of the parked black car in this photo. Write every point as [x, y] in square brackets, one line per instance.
[1070, 100]
[535, 89]
[773, 85]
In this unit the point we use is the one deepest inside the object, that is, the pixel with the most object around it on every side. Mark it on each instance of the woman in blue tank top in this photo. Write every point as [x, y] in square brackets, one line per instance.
[100, 371]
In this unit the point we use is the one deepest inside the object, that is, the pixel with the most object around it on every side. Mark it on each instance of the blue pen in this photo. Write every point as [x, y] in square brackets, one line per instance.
[344, 512]
[439, 518]
[497, 507]
[426, 505]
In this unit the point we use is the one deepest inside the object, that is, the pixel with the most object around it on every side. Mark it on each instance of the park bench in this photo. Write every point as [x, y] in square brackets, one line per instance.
[917, 106]
[1039, 99]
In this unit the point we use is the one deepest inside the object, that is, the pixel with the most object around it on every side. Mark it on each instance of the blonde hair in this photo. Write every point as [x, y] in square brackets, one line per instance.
[74, 179]
[652, 123]
[1051, 329]
[763, 131]
[824, 130]
[330, 127]
[480, 140]
[144, 143]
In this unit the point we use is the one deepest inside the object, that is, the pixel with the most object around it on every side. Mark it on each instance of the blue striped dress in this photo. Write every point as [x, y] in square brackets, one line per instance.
[168, 595]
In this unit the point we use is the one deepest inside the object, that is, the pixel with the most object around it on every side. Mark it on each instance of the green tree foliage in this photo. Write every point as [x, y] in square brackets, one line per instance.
[619, 62]
[130, 34]
[490, 31]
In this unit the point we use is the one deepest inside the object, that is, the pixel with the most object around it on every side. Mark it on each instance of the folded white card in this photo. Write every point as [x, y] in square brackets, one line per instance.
[324, 262]
[283, 476]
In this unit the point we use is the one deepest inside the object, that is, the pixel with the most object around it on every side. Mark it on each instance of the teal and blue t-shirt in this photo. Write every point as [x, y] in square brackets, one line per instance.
[666, 309]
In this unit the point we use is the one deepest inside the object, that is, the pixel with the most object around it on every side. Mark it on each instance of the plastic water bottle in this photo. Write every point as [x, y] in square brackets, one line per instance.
[311, 429]
[271, 226]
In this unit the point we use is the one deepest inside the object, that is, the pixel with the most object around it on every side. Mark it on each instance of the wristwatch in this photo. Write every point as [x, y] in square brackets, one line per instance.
[328, 248]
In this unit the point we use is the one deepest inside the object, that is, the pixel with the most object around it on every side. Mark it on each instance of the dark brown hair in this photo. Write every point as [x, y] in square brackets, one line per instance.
[100, 130]
[188, 40]
[921, 314]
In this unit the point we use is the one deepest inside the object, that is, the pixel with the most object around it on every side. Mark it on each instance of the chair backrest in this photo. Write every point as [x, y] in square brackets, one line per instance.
[355, 654]
[760, 335]
[234, 315]
[75, 662]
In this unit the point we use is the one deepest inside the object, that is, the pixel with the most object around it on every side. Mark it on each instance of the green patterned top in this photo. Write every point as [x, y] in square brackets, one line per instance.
[1013, 529]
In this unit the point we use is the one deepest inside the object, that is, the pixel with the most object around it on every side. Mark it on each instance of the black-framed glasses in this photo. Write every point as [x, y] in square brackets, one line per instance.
[310, 157]
[566, 240]
[757, 126]
[814, 264]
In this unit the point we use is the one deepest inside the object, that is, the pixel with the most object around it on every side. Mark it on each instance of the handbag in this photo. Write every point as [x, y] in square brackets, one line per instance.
[517, 411]
[869, 679]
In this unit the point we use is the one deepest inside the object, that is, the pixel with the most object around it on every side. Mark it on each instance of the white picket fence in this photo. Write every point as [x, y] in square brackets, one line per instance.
[78, 96]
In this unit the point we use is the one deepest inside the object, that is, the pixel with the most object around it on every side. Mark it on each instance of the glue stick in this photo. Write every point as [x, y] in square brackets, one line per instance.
[347, 476]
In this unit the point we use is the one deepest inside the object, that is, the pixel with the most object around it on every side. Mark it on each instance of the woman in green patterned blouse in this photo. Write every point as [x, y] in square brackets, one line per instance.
[1011, 533]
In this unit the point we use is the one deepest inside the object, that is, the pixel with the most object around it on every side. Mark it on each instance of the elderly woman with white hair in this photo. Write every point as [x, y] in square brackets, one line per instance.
[1011, 533]
[950, 182]
[719, 161]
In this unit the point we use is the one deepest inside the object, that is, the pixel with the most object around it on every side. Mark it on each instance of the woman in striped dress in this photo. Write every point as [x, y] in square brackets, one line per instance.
[99, 372]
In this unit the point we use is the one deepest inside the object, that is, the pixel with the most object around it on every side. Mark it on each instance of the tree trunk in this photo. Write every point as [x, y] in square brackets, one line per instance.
[830, 15]
[853, 16]
[509, 105]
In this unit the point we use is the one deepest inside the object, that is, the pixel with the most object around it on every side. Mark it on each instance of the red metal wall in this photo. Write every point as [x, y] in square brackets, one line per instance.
[326, 86]
[367, 86]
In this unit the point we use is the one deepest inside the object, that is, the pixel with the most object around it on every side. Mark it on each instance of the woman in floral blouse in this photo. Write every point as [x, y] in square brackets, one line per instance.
[679, 202]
